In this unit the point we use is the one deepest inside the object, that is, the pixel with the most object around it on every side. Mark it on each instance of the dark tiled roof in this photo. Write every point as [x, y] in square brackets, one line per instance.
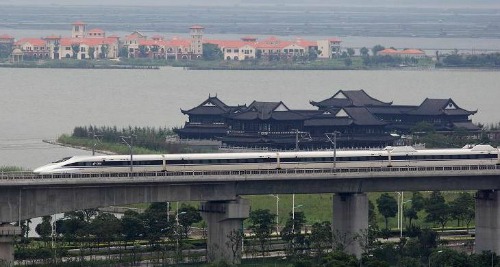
[438, 107]
[467, 125]
[205, 111]
[387, 110]
[212, 106]
[362, 116]
[348, 98]
[266, 111]
[354, 116]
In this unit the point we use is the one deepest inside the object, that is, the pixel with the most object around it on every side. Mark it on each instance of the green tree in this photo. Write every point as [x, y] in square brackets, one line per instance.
[438, 211]
[123, 52]
[261, 224]
[92, 52]
[364, 51]
[339, 259]
[143, 51]
[350, 52]
[106, 227]
[463, 208]
[376, 49]
[104, 51]
[44, 229]
[422, 127]
[132, 225]
[449, 257]
[5, 50]
[321, 237]
[486, 258]
[212, 52]
[372, 215]
[76, 49]
[292, 232]
[188, 215]
[157, 222]
[417, 204]
[387, 206]
[312, 54]
[74, 225]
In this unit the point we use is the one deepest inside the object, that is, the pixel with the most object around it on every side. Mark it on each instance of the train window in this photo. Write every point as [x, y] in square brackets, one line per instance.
[62, 160]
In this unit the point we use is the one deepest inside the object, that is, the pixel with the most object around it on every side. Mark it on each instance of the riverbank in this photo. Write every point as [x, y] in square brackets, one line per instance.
[354, 63]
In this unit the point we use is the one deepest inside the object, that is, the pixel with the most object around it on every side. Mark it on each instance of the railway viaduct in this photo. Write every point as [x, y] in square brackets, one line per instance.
[24, 196]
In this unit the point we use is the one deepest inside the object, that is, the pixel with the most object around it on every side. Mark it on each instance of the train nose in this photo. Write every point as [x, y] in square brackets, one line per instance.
[41, 170]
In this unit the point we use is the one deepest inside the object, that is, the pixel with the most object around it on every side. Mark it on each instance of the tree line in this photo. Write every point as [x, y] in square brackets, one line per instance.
[490, 60]
[164, 234]
[121, 140]
[318, 245]
[157, 230]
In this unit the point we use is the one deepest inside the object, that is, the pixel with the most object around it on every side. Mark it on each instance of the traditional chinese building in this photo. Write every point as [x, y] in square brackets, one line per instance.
[207, 120]
[357, 119]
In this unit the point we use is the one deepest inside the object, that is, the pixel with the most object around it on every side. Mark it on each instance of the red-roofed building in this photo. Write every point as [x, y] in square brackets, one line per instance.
[52, 43]
[270, 48]
[85, 44]
[407, 53]
[79, 29]
[5, 38]
[33, 48]
[85, 48]
[96, 33]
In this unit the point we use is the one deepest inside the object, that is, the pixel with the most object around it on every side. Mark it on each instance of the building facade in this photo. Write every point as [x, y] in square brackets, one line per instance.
[94, 43]
[357, 120]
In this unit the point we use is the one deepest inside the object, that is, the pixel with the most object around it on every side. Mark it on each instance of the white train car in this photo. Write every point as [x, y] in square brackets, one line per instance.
[388, 157]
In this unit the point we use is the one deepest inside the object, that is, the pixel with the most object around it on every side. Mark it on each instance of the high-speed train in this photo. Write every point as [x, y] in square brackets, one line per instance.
[388, 157]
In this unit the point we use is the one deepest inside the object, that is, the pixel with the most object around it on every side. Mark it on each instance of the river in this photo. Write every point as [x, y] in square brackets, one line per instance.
[38, 104]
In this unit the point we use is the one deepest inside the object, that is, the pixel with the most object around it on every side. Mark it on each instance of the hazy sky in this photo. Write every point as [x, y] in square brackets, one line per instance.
[442, 3]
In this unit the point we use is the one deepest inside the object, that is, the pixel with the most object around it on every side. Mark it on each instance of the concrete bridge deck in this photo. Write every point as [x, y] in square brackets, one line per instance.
[370, 179]
[26, 195]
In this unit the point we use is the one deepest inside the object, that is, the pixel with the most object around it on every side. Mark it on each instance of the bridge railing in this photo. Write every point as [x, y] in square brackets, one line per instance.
[277, 172]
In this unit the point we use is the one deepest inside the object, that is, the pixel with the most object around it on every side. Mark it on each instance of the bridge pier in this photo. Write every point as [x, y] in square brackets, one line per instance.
[487, 221]
[350, 219]
[224, 220]
[8, 233]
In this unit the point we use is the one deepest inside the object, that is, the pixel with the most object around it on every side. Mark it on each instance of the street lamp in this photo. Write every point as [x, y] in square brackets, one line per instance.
[402, 214]
[399, 198]
[177, 230]
[97, 139]
[334, 142]
[131, 147]
[300, 135]
[401, 203]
